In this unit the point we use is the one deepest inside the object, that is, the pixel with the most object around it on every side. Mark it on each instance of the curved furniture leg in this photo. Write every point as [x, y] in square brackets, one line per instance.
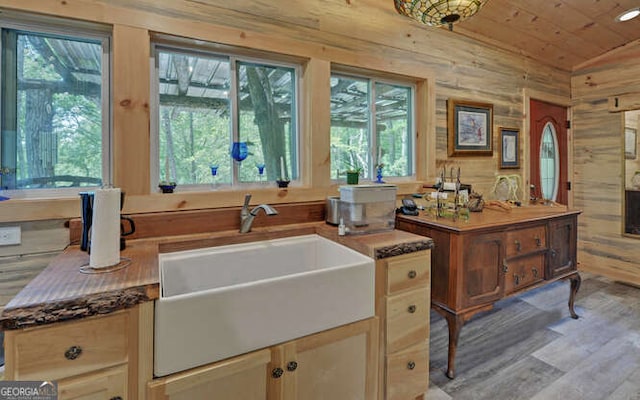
[575, 286]
[455, 323]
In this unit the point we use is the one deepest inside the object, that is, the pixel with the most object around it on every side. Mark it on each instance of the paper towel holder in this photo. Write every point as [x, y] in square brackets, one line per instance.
[88, 269]
[87, 209]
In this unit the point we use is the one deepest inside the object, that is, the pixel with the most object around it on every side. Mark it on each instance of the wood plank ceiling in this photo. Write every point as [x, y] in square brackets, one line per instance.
[561, 33]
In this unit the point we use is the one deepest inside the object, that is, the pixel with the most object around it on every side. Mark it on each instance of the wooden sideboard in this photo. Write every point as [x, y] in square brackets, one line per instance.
[494, 254]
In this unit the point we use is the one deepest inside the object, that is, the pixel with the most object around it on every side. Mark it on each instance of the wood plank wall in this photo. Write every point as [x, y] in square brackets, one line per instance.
[599, 162]
[355, 33]
[363, 33]
[41, 241]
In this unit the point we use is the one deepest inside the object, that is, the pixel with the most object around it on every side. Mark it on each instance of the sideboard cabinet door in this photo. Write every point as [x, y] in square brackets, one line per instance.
[482, 269]
[562, 247]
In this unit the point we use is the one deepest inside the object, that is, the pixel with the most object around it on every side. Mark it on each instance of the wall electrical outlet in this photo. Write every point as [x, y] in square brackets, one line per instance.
[9, 235]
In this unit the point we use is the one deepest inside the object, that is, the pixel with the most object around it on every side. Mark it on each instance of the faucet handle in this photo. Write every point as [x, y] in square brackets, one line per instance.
[247, 199]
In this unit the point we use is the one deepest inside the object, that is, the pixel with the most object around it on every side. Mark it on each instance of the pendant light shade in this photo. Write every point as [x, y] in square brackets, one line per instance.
[438, 12]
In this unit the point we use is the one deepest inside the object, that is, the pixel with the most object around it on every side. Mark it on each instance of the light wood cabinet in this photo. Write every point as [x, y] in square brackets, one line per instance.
[339, 363]
[89, 358]
[107, 384]
[242, 377]
[403, 304]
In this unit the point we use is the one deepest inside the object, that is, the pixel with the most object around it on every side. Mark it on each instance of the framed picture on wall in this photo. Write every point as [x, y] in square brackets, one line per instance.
[630, 143]
[470, 128]
[509, 148]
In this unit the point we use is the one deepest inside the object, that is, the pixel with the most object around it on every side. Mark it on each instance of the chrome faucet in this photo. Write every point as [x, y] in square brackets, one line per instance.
[246, 216]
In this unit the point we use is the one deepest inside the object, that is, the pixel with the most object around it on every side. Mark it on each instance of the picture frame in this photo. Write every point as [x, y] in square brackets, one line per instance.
[470, 128]
[509, 148]
[630, 143]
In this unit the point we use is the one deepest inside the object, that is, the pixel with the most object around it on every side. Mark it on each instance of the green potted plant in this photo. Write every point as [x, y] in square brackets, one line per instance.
[353, 175]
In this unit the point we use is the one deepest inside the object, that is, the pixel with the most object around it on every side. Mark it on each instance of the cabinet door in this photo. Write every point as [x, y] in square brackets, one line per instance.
[562, 247]
[408, 372]
[337, 364]
[482, 269]
[243, 377]
[103, 385]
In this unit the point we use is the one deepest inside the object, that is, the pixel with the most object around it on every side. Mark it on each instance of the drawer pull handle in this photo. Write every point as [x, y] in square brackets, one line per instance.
[412, 274]
[516, 279]
[505, 267]
[535, 272]
[411, 365]
[116, 398]
[73, 352]
[518, 246]
[277, 372]
[411, 309]
[553, 253]
[538, 241]
[292, 366]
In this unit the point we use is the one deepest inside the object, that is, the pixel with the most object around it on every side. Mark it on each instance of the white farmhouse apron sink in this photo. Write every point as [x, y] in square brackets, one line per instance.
[222, 301]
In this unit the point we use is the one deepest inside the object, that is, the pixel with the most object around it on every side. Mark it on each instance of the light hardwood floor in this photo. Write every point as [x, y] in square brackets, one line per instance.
[529, 347]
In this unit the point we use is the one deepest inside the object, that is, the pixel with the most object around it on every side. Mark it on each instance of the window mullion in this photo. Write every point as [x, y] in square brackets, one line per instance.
[107, 137]
[373, 131]
[9, 108]
[235, 119]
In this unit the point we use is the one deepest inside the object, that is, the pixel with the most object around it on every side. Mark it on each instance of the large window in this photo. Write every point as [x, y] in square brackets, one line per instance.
[54, 119]
[224, 120]
[371, 125]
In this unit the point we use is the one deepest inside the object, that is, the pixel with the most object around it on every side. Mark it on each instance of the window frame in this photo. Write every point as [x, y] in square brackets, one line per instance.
[72, 30]
[193, 47]
[372, 79]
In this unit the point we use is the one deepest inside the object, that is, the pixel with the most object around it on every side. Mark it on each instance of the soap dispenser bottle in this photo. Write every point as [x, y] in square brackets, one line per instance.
[341, 228]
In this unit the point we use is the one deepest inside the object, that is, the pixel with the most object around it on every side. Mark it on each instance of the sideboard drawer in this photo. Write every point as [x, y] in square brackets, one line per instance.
[524, 241]
[523, 272]
[407, 272]
[408, 372]
[71, 348]
[407, 319]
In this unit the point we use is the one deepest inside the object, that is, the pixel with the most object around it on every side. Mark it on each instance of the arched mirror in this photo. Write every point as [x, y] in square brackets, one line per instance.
[631, 173]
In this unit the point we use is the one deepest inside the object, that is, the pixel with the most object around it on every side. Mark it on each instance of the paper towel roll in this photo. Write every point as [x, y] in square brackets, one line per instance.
[105, 229]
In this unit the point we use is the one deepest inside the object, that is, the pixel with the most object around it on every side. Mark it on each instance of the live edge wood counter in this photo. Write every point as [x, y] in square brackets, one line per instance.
[493, 254]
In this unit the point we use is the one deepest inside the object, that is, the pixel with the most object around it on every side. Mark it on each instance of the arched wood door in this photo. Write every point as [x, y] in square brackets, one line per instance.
[548, 151]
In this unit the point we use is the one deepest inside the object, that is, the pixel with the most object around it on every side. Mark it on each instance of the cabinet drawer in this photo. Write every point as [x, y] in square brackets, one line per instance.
[107, 384]
[524, 241]
[407, 319]
[71, 348]
[408, 272]
[408, 372]
[523, 272]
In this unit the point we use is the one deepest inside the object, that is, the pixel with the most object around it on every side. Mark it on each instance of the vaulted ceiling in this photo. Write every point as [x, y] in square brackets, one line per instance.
[562, 33]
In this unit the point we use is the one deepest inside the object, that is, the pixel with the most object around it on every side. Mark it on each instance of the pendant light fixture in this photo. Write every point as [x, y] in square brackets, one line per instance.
[438, 12]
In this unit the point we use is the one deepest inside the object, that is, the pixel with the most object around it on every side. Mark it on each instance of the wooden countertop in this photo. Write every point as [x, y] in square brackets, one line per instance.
[61, 292]
[490, 218]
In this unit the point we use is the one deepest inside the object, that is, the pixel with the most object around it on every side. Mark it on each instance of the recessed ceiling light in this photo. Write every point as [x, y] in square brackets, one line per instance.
[629, 14]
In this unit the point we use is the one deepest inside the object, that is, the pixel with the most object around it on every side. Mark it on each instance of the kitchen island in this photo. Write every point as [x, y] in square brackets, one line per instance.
[480, 259]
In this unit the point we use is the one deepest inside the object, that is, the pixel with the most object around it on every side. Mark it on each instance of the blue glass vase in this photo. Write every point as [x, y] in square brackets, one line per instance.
[239, 151]
[214, 175]
[260, 167]
[379, 175]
